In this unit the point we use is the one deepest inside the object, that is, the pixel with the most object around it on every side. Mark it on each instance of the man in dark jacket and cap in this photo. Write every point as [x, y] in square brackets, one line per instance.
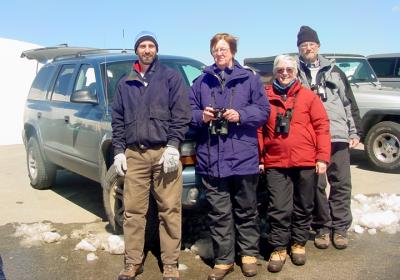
[332, 215]
[150, 116]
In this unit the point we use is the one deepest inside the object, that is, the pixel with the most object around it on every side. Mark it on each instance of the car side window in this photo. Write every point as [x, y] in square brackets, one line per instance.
[40, 85]
[86, 79]
[191, 72]
[383, 67]
[62, 83]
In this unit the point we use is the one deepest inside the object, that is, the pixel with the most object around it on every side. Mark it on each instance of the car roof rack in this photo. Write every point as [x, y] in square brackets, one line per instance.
[63, 51]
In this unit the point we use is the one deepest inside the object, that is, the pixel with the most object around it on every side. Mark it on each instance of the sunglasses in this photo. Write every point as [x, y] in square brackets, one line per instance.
[282, 70]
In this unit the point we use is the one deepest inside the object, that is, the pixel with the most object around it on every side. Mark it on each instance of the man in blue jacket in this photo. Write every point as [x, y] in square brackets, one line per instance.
[150, 116]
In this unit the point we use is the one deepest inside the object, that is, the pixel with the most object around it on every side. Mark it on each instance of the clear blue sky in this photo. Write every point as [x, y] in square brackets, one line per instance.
[185, 27]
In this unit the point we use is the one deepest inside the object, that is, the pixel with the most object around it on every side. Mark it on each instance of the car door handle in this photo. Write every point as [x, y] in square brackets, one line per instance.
[39, 115]
[66, 119]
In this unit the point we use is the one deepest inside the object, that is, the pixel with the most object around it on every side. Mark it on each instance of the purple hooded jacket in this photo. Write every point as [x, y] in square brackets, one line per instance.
[235, 153]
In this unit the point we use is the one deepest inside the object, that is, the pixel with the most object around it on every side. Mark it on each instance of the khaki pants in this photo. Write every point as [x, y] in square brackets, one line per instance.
[145, 175]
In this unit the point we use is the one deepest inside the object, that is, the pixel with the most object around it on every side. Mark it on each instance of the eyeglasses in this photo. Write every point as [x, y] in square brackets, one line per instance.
[220, 50]
[306, 45]
[281, 70]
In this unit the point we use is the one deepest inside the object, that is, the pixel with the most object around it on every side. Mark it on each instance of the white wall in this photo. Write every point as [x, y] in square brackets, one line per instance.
[16, 76]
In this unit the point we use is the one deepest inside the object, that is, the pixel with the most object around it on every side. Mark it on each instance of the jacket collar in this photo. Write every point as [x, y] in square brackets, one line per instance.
[134, 74]
[237, 72]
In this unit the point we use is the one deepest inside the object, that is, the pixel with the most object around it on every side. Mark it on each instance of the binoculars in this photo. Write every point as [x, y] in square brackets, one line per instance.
[283, 123]
[219, 126]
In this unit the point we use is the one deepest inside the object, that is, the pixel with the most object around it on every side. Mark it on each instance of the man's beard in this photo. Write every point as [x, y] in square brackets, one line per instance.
[147, 59]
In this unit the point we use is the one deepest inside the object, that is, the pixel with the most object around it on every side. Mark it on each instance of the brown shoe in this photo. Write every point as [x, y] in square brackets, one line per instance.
[322, 240]
[340, 241]
[298, 254]
[130, 271]
[220, 271]
[249, 266]
[277, 260]
[170, 272]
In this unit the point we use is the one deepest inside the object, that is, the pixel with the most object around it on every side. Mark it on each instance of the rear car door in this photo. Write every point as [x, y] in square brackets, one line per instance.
[52, 121]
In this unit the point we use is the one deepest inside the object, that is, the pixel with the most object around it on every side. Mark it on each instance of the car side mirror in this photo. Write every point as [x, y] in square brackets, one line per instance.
[84, 96]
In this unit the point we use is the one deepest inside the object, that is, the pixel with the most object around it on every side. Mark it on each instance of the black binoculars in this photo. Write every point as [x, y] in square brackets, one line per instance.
[219, 126]
[283, 123]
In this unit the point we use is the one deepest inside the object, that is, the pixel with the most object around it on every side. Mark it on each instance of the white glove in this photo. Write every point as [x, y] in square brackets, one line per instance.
[120, 164]
[170, 159]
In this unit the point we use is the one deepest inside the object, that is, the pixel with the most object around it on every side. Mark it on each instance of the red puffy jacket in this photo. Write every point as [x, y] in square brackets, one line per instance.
[308, 139]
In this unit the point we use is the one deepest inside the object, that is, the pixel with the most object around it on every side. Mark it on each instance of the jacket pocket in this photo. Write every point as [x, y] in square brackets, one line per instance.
[159, 126]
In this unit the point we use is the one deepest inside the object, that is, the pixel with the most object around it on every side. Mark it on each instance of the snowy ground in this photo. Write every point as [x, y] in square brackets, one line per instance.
[370, 215]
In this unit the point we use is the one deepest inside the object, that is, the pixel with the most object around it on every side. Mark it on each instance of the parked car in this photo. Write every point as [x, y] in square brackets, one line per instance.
[379, 107]
[67, 120]
[387, 68]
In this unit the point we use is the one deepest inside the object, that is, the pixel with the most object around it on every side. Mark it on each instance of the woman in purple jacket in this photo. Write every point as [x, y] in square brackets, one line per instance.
[229, 104]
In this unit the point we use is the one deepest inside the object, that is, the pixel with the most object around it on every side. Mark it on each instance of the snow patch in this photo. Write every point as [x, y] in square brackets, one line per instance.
[376, 213]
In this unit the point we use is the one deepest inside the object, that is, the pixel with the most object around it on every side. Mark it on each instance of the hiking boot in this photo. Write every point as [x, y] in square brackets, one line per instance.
[340, 241]
[322, 240]
[298, 254]
[249, 266]
[170, 272]
[277, 260]
[220, 271]
[130, 271]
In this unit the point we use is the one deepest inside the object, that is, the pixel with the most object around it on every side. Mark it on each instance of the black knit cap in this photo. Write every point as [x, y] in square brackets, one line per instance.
[307, 34]
[143, 36]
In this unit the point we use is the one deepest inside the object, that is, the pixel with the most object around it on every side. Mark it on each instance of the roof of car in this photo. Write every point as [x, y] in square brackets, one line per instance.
[384, 55]
[64, 52]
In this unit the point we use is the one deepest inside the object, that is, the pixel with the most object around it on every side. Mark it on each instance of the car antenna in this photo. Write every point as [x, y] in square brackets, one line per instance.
[123, 39]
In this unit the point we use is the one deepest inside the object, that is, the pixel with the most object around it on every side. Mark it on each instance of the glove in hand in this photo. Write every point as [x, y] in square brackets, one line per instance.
[120, 164]
[170, 159]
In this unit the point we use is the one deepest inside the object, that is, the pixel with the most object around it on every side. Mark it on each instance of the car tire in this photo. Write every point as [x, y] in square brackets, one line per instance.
[382, 146]
[41, 172]
[113, 190]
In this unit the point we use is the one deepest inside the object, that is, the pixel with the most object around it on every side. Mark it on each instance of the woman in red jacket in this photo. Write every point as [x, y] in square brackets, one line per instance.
[294, 147]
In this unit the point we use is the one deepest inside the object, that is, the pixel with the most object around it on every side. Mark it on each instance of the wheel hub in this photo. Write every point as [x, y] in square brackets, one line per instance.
[386, 148]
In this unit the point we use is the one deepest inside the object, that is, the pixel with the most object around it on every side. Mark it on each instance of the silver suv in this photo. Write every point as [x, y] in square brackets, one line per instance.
[379, 107]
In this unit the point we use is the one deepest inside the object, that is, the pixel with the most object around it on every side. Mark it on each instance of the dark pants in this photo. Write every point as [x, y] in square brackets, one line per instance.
[290, 204]
[233, 205]
[334, 212]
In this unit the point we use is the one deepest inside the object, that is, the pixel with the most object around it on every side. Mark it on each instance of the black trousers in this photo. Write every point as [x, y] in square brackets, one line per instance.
[334, 212]
[233, 216]
[290, 204]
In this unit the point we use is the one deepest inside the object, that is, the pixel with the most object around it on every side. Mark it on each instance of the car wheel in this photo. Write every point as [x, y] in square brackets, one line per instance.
[41, 173]
[113, 189]
[382, 146]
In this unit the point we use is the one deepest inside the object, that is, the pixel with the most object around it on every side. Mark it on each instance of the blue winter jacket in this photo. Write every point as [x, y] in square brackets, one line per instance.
[154, 115]
[236, 153]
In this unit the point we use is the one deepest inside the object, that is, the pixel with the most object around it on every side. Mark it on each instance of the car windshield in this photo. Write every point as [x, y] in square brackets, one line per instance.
[190, 69]
[357, 70]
